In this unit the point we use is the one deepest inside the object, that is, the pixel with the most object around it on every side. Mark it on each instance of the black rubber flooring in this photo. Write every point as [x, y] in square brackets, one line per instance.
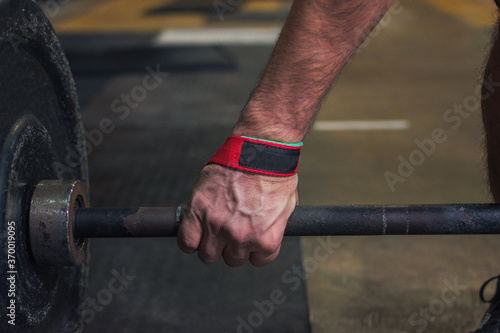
[152, 157]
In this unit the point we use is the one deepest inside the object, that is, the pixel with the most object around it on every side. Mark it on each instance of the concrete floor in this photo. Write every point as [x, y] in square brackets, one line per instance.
[425, 59]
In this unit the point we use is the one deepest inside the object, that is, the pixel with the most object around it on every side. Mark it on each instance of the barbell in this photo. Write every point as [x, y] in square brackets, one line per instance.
[45, 215]
[61, 221]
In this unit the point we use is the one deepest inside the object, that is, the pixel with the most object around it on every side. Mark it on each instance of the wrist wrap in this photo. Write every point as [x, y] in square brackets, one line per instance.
[259, 156]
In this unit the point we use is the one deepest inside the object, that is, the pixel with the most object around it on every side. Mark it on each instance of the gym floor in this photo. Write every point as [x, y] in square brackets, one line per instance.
[373, 143]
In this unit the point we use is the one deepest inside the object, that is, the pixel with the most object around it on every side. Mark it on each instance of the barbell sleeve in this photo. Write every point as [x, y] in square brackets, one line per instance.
[306, 220]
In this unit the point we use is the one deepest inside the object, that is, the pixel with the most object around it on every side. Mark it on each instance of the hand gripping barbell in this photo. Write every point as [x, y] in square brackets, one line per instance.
[60, 221]
[45, 218]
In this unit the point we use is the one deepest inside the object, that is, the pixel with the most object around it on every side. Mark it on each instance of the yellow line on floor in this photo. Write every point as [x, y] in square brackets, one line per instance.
[476, 13]
[265, 6]
[128, 16]
[131, 16]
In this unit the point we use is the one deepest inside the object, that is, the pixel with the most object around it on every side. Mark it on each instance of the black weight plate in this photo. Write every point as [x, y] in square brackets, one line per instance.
[41, 137]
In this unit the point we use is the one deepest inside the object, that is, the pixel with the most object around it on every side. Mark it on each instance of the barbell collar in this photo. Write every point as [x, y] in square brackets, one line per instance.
[51, 223]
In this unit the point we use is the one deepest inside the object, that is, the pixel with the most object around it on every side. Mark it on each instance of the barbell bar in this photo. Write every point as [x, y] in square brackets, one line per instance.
[444, 219]
[61, 221]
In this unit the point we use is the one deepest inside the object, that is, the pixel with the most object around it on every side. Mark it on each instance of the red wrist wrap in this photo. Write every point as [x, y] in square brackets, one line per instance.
[259, 156]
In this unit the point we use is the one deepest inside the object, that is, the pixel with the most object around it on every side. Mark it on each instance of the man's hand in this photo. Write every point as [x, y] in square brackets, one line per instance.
[238, 215]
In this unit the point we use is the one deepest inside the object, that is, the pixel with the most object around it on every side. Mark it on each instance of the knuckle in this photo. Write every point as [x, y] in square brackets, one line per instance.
[235, 258]
[270, 245]
[240, 239]
[209, 254]
[187, 245]
[196, 206]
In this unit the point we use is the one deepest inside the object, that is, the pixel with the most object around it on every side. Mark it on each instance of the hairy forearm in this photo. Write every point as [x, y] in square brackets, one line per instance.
[317, 40]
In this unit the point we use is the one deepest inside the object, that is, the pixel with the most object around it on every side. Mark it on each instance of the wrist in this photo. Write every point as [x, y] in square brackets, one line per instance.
[274, 134]
[268, 126]
[269, 117]
[259, 156]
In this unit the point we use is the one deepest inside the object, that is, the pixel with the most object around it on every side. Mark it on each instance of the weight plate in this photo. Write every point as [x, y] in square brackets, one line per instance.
[41, 137]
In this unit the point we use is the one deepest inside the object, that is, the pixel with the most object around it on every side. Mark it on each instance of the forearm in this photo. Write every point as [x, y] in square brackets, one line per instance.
[318, 38]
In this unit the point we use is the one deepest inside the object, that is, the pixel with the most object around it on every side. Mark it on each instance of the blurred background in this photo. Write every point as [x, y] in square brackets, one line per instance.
[171, 78]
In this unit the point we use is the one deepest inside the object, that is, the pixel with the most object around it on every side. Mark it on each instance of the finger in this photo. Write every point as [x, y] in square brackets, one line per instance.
[269, 247]
[235, 257]
[210, 249]
[190, 233]
[259, 259]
